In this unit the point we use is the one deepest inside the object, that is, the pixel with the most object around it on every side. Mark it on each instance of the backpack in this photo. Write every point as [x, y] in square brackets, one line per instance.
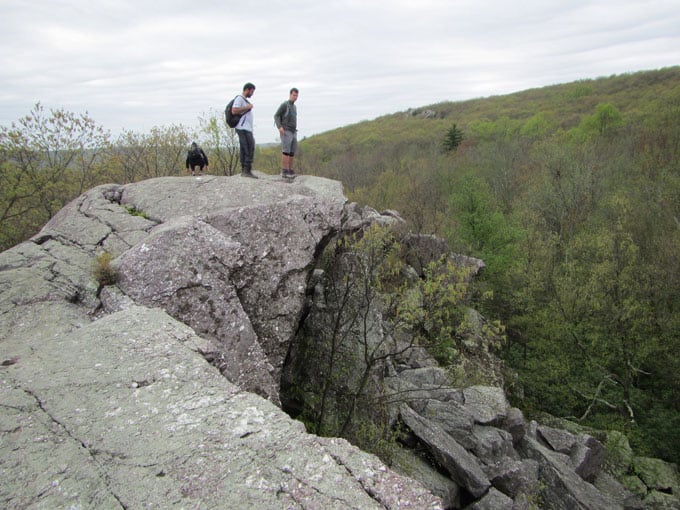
[195, 154]
[231, 118]
[283, 117]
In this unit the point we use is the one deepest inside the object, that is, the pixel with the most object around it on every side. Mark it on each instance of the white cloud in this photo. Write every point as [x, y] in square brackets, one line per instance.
[138, 64]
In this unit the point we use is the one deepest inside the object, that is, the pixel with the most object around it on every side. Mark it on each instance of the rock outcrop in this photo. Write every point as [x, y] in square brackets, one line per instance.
[107, 398]
[164, 390]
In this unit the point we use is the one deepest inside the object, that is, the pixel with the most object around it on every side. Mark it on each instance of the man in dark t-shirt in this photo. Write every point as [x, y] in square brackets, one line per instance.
[286, 120]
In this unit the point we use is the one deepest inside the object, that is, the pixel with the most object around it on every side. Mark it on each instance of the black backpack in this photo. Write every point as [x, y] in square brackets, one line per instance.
[231, 118]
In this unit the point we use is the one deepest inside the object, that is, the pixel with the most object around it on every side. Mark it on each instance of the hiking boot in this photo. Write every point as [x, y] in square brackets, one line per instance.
[248, 173]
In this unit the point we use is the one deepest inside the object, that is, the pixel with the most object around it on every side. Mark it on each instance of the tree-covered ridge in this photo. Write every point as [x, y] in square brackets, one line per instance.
[571, 195]
[539, 111]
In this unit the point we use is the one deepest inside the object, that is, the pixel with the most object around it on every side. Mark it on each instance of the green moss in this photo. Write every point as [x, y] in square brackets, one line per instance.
[136, 212]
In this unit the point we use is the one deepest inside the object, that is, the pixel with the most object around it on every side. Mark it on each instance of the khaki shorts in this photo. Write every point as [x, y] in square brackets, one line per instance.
[289, 142]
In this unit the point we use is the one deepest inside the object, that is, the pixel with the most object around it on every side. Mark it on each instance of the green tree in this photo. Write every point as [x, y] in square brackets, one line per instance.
[160, 152]
[47, 158]
[221, 143]
[606, 120]
[365, 312]
[347, 344]
[454, 137]
[481, 229]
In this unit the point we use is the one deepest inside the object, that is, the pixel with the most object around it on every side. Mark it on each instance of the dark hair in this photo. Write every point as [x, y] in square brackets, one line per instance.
[248, 86]
[194, 144]
[294, 90]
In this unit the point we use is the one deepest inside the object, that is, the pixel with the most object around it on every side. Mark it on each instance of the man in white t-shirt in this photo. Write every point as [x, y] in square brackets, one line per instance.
[244, 129]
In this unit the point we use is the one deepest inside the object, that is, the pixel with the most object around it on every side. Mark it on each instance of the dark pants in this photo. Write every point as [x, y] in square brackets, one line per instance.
[194, 165]
[247, 153]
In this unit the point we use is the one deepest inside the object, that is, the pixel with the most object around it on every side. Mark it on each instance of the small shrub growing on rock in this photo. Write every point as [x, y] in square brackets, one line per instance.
[102, 270]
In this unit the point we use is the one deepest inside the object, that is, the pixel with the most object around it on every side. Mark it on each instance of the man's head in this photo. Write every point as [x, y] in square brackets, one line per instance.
[248, 89]
[293, 95]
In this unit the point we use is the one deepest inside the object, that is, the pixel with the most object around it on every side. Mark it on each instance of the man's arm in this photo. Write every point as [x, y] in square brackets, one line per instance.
[238, 110]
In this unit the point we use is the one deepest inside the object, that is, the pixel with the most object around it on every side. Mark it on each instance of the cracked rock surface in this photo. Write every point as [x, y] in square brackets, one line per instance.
[107, 399]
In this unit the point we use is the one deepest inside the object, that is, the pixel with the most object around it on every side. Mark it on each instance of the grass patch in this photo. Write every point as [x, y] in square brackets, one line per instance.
[102, 270]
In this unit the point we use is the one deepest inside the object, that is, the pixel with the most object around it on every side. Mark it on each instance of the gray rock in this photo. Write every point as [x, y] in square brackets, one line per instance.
[563, 489]
[408, 463]
[385, 487]
[453, 418]
[110, 398]
[515, 424]
[493, 500]
[557, 439]
[488, 405]
[450, 416]
[463, 467]
[607, 484]
[132, 416]
[410, 357]
[657, 474]
[94, 221]
[587, 457]
[399, 389]
[428, 377]
[113, 300]
[514, 477]
[492, 444]
[186, 267]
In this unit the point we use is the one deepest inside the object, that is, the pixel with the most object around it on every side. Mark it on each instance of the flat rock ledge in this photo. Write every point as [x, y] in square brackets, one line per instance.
[121, 409]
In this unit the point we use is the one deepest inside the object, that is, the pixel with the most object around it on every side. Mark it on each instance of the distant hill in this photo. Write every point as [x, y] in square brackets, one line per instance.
[555, 107]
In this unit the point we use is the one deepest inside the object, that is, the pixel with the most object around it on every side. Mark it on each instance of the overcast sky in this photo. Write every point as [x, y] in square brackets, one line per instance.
[138, 64]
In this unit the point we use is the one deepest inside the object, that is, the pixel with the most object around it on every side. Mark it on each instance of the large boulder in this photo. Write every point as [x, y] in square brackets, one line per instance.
[232, 258]
[488, 405]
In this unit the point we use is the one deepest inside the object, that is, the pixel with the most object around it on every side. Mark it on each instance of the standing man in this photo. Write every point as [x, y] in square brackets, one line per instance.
[196, 158]
[286, 120]
[244, 129]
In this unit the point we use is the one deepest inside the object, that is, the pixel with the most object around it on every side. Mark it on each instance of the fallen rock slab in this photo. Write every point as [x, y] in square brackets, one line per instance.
[562, 485]
[463, 467]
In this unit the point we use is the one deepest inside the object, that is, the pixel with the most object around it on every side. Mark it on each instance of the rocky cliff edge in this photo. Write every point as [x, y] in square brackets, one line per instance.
[109, 398]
